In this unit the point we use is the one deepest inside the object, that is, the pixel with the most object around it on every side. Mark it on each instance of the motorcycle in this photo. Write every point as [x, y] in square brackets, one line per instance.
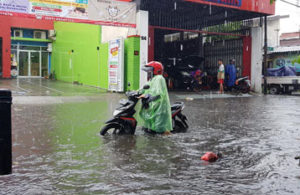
[242, 85]
[179, 72]
[123, 121]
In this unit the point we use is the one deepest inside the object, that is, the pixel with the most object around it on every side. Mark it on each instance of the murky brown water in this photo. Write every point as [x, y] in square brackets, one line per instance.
[57, 150]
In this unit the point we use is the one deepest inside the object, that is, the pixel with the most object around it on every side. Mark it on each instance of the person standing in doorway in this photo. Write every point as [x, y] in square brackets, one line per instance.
[221, 75]
[230, 74]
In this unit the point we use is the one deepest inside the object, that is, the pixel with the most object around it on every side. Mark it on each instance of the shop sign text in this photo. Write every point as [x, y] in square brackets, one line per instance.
[236, 3]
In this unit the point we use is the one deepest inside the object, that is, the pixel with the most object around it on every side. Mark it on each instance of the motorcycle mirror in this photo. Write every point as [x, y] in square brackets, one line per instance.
[146, 87]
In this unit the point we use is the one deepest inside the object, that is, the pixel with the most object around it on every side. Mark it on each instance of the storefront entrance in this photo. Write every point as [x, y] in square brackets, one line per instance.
[30, 63]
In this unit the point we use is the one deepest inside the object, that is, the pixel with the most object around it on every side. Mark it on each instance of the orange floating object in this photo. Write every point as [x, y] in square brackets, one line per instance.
[210, 156]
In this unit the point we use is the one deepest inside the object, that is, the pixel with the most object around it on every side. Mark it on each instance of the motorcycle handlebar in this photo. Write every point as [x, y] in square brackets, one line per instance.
[134, 93]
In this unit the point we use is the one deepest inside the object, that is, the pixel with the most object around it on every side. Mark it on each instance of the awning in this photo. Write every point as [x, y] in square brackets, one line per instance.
[184, 14]
[285, 49]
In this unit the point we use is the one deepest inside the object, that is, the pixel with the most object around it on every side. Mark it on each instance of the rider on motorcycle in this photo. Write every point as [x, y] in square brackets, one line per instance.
[156, 115]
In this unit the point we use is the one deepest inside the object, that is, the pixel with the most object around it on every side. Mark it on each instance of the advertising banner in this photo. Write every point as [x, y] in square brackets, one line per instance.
[102, 12]
[14, 6]
[66, 8]
[114, 11]
[258, 6]
[116, 65]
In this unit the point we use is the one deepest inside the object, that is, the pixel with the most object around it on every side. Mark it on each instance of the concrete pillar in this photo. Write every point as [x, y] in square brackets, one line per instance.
[142, 23]
[257, 59]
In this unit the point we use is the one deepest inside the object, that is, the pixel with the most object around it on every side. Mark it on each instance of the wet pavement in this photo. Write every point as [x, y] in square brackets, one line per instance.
[57, 149]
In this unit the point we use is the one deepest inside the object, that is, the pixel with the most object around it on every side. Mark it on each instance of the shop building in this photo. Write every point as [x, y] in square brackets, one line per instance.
[29, 52]
[166, 31]
[24, 45]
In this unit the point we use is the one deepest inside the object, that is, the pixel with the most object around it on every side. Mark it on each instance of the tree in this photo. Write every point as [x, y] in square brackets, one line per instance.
[297, 60]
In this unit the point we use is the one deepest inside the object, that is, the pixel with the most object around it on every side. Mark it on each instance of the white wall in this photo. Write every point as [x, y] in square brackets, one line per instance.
[142, 30]
[257, 58]
[291, 24]
[113, 32]
[273, 32]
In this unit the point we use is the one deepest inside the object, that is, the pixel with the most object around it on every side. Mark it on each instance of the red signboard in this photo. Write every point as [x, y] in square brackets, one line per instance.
[61, 19]
[258, 6]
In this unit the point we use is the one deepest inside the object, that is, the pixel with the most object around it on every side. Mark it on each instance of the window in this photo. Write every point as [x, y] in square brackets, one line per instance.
[36, 48]
[18, 33]
[190, 35]
[172, 37]
[39, 35]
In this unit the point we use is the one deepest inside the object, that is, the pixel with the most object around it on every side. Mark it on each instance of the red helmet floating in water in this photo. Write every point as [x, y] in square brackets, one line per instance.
[155, 67]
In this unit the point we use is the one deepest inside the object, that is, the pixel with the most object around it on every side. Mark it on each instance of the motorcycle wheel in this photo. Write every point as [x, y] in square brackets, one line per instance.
[113, 129]
[196, 88]
[178, 127]
[244, 88]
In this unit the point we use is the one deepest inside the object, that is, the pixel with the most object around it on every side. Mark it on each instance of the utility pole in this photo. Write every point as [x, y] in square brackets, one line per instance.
[265, 56]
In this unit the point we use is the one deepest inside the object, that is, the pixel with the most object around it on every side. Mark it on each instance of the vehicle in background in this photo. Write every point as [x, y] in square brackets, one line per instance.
[282, 80]
[178, 71]
[283, 84]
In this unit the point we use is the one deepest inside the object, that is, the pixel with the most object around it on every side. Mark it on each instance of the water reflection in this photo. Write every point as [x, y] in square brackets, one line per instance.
[57, 150]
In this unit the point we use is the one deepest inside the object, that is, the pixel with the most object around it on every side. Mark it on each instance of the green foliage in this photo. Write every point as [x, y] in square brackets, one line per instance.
[224, 28]
[297, 60]
[272, 1]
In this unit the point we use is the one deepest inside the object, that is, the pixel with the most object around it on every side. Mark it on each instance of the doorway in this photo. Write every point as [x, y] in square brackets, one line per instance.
[30, 64]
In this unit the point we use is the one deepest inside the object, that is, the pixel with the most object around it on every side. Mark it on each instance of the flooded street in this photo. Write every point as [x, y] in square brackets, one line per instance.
[57, 148]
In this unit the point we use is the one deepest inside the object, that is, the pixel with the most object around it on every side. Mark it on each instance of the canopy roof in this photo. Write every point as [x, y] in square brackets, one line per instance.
[197, 14]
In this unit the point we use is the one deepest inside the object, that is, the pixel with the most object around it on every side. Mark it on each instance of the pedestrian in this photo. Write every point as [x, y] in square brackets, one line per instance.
[221, 75]
[230, 74]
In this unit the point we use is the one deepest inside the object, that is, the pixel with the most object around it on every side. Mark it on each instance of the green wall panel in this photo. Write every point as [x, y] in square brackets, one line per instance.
[104, 66]
[132, 63]
[83, 64]
[75, 57]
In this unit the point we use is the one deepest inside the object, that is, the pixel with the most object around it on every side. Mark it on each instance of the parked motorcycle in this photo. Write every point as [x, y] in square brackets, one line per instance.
[123, 121]
[179, 71]
[242, 85]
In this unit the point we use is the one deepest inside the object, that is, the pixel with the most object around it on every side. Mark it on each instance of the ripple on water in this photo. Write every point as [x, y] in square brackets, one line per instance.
[60, 154]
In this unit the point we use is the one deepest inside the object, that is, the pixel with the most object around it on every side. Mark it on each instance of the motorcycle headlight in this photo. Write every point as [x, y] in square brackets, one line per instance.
[116, 112]
[183, 106]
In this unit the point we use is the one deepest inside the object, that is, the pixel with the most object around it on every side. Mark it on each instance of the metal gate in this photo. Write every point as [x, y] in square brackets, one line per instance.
[225, 50]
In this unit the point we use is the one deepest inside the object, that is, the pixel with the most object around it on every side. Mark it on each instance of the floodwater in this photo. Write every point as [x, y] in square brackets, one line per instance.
[57, 148]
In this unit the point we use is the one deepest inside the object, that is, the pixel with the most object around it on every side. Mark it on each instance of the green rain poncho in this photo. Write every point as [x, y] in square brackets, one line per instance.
[158, 116]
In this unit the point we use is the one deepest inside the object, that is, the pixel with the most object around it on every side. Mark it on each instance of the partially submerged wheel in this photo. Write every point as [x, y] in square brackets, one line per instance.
[274, 90]
[178, 127]
[114, 129]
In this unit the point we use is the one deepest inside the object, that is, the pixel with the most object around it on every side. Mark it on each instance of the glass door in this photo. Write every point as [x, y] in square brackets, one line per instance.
[29, 63]
[24, 63]
[35, 64]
